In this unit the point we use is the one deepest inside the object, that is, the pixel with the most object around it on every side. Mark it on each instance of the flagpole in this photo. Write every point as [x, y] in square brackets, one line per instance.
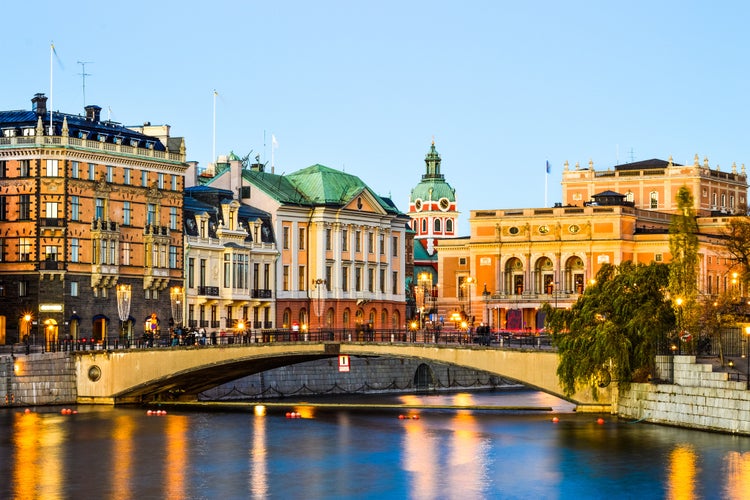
[213, 151]
[273, 144]
[51, 53]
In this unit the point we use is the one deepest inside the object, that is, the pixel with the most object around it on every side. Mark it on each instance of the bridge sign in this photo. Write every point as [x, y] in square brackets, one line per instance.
[344, 363]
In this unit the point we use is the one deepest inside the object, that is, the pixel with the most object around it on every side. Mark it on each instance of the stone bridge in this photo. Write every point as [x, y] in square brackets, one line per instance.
[181, 373]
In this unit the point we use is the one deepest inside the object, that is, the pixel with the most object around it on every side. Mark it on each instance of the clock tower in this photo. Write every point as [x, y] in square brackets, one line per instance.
[432, 205]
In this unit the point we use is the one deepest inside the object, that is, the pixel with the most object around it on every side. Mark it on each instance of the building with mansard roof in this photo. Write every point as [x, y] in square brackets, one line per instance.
[87, 207]
[342, 263]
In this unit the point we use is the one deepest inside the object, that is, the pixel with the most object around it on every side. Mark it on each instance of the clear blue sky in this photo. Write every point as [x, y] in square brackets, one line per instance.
[361, 86]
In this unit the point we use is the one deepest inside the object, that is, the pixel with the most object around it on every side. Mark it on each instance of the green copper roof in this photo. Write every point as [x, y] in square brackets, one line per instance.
[314, 185]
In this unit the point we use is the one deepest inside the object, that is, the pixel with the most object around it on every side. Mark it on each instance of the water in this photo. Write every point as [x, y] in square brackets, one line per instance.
[125, 454]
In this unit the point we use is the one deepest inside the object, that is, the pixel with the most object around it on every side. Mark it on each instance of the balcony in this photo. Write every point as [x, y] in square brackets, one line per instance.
[261, 293]
[50, 265]
[156, 230]
[103, 225]
[211, 291]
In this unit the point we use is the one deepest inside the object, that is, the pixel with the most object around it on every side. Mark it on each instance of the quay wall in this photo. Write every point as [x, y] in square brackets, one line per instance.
[38, 379]
[692, 396]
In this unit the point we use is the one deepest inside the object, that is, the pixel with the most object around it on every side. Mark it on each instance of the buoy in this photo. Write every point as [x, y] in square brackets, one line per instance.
[415, 417]
[27, 411]
[555, 420]
[62, 412]
[401, 417]
[149, 413]
[600, 420]
[288, 414]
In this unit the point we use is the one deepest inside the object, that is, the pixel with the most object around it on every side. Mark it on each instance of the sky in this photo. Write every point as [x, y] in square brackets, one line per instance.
[502, 87]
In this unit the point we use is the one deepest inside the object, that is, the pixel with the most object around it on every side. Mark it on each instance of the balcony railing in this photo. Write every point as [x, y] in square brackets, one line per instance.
[103, 225]
[212, 291]
[261, 293]
[51, 222]
[50, 265]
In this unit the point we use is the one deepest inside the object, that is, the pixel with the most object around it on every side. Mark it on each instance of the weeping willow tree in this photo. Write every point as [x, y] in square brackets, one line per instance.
[683, 269]
[614, 328]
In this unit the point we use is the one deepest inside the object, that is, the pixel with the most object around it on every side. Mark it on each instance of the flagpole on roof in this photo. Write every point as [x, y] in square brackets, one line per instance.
[213, 151]
[51, 54]
[546, 177]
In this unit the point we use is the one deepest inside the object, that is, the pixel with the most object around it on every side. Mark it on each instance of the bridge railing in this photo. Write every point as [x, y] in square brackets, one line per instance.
[425, 336]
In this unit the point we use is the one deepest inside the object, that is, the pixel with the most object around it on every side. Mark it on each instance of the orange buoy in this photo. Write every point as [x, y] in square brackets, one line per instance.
[401, 417]
[27, 411]
[600, 420]
[555, 420]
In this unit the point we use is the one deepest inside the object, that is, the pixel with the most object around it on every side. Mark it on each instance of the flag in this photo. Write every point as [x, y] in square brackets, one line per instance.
[274, 142]
[57, 58]
[548, 170]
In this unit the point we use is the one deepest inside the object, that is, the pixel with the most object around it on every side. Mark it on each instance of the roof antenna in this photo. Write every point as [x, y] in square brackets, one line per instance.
[83, 77]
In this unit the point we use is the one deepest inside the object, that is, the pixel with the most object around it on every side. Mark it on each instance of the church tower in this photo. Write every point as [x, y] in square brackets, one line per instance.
[432, 205]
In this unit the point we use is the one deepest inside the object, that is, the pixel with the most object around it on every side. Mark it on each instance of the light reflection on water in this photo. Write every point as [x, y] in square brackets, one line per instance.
[125, 454]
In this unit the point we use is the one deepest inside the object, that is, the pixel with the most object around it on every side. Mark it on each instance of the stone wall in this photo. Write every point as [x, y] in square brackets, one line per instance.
[366, 375]
[38, 379]
[698, 398]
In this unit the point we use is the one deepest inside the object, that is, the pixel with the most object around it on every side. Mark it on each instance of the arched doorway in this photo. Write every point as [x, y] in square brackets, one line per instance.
[50, 333]
[424, 378]
[99, 328]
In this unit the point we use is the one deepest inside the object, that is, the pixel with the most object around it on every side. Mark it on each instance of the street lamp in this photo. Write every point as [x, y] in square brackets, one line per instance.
[26, 334]
[486, 296]
[423, 280]
[747, 354]
[320, 301]
[679, 302]
[468, 282]
[123, 309]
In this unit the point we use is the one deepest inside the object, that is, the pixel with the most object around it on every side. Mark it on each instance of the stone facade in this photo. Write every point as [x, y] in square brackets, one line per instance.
[698, 398]
[366, 376]
[38, 379]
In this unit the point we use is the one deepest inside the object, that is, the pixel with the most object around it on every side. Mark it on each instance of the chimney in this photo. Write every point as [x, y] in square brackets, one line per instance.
[92, 112]
[39, 104]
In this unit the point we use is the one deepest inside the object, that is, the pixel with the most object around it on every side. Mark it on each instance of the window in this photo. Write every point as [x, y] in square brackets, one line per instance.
[191, 272]
[285, 278]
[202, 275]
[25, 168]
[110, 173]
[173, 218]
[99, 209]
[50, 253]
[382, 281]
[424, 225]
[92, 172]
[370, 280]
[227, 271]
[394, 242]
[127, 213]
[381, 244]
[437, 226]
[357, 279]
[329, 277]
[51, 169]
[75, 250]
[301, 234]
[2, 255]
[151, 214]
[174, 183]
[654, 197]
[172, 257]
[75, 208]
[285, 238]
[160, 180]
[658, 257]
[126, 173]
[715, 199]
[144, 178]
[51, 208]
[24, 249]
[74, 289]
[723, 200]
[357, 241]
[75, 170]
[24, 207]
[449, 226]
[731, 201]
[345, 279]
[3, 168]
[301, 281]
[125, 253]
[328, 239]
[23, 288]
[370, 242]
[395, 282]
[3, 208]
[345, 240]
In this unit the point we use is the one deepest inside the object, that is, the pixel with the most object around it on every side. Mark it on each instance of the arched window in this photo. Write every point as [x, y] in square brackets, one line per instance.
[437, 226]
[629, 197]
[346, 318]
[286, 318]
[654, 196]
[723, 200]
[424, 225]
[714, 201]
[449, 226]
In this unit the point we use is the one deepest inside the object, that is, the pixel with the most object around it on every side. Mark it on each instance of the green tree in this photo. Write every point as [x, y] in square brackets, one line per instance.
[614, 328]
[737, 234]
[683, 269]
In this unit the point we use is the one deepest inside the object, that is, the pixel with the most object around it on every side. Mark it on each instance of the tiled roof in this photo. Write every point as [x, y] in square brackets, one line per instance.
[653, 163]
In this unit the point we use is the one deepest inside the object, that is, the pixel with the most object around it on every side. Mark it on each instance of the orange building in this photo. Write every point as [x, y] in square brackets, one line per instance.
[515, 260]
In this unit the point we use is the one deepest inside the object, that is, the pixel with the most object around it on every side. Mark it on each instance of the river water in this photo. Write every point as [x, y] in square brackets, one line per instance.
[124, 453]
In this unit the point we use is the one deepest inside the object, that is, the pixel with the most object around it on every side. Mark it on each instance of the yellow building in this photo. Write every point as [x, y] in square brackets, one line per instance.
[515, 260]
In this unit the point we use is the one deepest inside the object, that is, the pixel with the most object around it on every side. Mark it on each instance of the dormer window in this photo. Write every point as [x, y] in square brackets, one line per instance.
[101, 137]
[28, 132]
[9, 132]
[82, 134]
[134, 143]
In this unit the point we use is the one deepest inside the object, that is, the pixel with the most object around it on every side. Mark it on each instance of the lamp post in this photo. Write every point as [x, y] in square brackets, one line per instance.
[747, 354]
[123, 309]
[424, 279]
[469, 281]
[486, 296]
[679, 302]
[26, 334]
[319, 302]
[175, 297]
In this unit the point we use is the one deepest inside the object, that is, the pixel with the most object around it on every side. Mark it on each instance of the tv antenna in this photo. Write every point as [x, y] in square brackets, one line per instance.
[83, 77]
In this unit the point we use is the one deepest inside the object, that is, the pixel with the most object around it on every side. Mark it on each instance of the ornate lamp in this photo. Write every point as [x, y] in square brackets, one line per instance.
[123, 309]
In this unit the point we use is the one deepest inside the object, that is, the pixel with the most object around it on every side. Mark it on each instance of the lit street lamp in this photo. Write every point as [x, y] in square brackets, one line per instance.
[123, 309]
[319, 302]
[679, 302]
[747, 354]
[468, 282]
[486, 294]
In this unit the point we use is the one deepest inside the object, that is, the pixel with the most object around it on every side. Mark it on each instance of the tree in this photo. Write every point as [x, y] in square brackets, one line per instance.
[737, 234]
[683, 269]
[614, 328]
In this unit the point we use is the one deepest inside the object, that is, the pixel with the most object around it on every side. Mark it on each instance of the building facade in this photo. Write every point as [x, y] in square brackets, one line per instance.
[90, 226]
[230, 264]
[341, 263]
[515, 260]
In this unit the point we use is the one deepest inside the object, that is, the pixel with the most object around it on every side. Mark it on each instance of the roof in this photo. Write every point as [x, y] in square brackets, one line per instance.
[433, 185]
[315, 185]
[651, 164]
